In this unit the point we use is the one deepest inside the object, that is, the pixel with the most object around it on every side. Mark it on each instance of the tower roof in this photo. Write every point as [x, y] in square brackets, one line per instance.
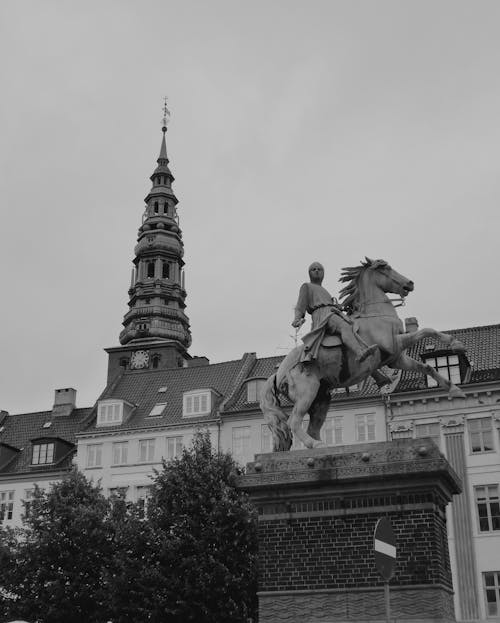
[157, 293]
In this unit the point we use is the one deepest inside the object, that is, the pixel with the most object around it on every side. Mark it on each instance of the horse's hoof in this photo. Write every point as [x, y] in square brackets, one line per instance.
[457, 345]
[319, 444]
[456, 392]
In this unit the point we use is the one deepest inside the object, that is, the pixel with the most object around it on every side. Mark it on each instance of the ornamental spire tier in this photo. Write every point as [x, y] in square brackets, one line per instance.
[157, 293]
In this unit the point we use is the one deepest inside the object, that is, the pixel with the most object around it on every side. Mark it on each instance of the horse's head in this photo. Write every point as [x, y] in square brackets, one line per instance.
[364, 281]
[388, 279]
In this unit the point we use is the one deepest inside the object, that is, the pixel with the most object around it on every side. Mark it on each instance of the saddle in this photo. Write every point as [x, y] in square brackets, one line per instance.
[330, 341]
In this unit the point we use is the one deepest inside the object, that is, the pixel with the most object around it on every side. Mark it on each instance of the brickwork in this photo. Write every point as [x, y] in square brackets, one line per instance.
[320, 552]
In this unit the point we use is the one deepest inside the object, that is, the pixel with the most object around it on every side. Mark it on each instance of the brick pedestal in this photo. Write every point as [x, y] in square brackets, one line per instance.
[317, 515]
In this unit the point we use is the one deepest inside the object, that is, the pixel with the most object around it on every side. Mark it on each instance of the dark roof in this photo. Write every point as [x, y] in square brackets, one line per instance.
[19, 431]
[482, 350]
[140, 388]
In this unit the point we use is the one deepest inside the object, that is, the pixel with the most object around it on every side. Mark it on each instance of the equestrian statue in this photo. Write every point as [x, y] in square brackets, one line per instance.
[347, 343]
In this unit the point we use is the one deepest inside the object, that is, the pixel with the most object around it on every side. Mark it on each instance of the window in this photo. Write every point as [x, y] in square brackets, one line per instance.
[94, 455]
[142, 496]
[241, 443]
[197, 403]
[146, 450]
[120, 452]
[165, 270]
[174, 447]
[6, 505]
[488, 508]
[43, 453]
[431, 430]
[29, 494]
[491, 583]
[266, 439]
[480, 434]
[165, 208]
[124, 362]
[365, 427]
[447, 365]
[156, 360]
[253, 389]
[156, 207]
[150, 266]
[157, 409]
[109, 413]
[402, 431]
[118, 491]
[332, 431]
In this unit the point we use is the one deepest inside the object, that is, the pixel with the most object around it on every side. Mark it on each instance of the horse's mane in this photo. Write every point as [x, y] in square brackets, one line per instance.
[350, 293]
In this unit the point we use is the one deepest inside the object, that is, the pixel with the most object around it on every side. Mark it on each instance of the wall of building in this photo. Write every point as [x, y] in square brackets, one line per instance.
[480, 467]
[129, 473]
[20, 487]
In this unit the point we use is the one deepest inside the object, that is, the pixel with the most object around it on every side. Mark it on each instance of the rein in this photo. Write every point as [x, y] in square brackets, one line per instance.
[399, 302]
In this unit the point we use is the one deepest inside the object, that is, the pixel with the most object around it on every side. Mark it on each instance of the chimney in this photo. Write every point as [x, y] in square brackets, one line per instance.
[411, 325]
[196, 362]
[64, 401]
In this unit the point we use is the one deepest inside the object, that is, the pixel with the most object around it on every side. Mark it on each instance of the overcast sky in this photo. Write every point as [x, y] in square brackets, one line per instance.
[300, 131]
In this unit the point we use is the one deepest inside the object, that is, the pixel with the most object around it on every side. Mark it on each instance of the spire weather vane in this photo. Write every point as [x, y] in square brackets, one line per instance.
[166, 114]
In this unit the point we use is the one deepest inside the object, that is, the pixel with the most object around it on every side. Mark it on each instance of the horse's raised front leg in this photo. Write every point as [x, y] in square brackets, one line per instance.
[408, 339]
[303, 388]
[404, 362]
[318, 411]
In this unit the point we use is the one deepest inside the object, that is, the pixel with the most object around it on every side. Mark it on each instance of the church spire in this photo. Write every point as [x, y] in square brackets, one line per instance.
[157, 294]
[164, 124]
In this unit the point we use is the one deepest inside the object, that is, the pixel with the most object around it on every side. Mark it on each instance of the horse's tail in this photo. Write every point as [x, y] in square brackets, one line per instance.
[275, 417]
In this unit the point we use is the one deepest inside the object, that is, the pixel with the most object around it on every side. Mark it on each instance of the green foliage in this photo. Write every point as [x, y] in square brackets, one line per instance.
[56, 567]
[209, 539]
[86, 559]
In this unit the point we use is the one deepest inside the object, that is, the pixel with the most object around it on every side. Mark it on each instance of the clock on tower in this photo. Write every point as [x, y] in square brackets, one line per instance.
[139, 359]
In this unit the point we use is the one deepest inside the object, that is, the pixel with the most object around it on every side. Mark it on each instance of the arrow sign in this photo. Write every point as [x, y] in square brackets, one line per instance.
[384, 544]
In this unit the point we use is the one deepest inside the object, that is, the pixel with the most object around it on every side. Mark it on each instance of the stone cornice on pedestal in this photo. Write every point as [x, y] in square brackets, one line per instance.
[408, 460]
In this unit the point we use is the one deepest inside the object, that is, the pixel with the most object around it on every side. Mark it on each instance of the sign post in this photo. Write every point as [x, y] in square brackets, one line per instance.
[384, 545]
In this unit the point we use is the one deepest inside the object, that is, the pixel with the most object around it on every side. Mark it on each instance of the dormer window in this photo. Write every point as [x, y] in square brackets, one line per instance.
[450, 365]
[43, 453]
[254, 388]
[197, 402]
[109, 413]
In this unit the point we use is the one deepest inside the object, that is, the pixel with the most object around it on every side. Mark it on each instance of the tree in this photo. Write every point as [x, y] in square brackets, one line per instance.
[86, 559]
[206, 539]
[53, 572]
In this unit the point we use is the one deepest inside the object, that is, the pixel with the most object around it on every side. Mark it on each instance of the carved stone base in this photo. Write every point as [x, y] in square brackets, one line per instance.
[317, 514]
[409, 604]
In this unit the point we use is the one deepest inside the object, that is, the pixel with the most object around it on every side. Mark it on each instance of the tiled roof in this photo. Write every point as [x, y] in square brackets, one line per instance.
[482, 349]
[140, 388]
[19, 430]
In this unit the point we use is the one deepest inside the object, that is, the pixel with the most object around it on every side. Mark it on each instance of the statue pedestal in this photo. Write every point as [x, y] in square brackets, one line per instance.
[317, 515]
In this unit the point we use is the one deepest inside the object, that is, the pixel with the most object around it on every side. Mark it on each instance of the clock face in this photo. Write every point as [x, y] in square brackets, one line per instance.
[139, 359]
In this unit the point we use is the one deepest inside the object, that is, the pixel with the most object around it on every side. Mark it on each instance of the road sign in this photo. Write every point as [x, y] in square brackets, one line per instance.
[384, 544]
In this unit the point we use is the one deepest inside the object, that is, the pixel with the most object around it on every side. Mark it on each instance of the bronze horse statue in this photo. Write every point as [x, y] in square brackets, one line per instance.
[308, 384]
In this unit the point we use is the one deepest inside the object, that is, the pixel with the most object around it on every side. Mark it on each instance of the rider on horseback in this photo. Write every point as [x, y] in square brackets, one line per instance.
[327, 318]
